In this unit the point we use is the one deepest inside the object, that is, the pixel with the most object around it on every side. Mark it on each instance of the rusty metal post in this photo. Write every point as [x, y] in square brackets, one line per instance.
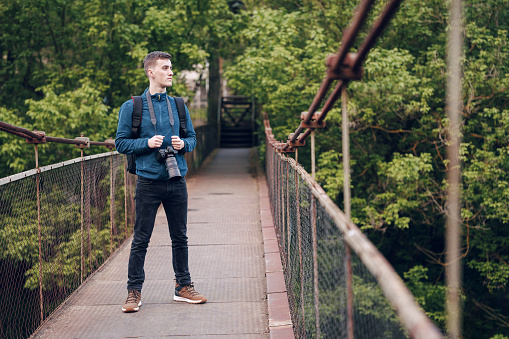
[280, 200]
[282, 211]
[347, 206]
[275, 164]
[88, 192]
[313, 168]
[346, 151]
[276, 196]
[288, 224]
[299, 235]
[38, 182]
[37, 137]
[277, 192]
[82, 220]
[314, 236]
[112, 197]
[454, 108]
[82, 259]
[110, 144]
[88, 230]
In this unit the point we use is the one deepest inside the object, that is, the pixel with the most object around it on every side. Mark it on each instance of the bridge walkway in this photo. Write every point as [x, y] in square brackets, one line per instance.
[226, 259]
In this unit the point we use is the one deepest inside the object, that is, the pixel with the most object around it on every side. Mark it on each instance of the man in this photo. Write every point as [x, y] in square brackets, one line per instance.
[154, 186]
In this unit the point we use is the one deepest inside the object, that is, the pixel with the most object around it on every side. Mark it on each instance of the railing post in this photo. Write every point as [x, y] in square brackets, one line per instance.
[288, 228]
[454, 107]
[82, 259]
[110, 144]
[283, 205]
[314, 237]
[36, 141]
[82, 219]
[347, 206]
[279, 197]
[299, 235]
[313, 168]
[112, 197]
[38, 182]
[88, 228]
[275, 166]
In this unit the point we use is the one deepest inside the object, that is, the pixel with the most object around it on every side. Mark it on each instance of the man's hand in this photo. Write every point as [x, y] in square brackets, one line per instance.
[156, 141]
[177, 143]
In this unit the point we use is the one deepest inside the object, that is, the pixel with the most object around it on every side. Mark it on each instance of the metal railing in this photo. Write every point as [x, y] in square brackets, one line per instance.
[60, 223]
[334, 293]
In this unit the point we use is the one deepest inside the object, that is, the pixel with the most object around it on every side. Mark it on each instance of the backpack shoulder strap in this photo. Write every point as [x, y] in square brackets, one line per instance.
[181, 108]
[137, 112]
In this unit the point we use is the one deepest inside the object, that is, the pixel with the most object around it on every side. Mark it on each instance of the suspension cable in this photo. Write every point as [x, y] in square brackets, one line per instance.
[342, 66]
[40, 138]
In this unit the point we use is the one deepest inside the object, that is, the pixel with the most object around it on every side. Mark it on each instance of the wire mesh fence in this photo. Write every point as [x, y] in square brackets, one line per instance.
[320, 277]
[57, 226]
[61, 222]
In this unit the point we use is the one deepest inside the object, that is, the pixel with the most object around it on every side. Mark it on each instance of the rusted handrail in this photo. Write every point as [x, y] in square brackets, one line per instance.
[19, 131]
[40, 137]
[375, 32]
[19, 134]
[350, 34]
[343, 66]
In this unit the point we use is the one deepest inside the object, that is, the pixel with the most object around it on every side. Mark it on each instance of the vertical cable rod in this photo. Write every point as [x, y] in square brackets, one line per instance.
[313, 160]
[314, 236]
[82, 220]
[39, 229]
[454, 108]
[347, 206]
[112, 197]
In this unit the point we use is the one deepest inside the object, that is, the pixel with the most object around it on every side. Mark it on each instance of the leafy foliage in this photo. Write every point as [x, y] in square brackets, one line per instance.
[398, 132]
[67, 66]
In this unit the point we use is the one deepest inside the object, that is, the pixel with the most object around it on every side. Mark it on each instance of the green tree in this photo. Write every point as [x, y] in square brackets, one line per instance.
[398, 131]
[67, 62]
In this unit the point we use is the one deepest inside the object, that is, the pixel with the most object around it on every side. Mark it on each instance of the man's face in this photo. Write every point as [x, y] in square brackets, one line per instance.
[162, 74]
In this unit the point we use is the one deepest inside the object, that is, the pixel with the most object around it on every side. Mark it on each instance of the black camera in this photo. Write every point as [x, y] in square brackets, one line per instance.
[167, 156]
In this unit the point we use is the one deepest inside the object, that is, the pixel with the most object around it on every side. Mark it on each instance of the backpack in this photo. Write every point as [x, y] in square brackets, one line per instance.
[135, 130]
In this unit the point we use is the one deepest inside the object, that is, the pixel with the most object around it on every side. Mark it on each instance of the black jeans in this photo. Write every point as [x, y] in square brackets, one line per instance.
[149, 196]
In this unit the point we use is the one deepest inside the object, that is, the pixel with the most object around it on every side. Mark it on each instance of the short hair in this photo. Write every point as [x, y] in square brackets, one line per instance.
[152, 57]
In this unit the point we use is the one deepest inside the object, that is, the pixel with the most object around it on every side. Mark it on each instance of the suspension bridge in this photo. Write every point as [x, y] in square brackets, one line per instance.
[273, 254]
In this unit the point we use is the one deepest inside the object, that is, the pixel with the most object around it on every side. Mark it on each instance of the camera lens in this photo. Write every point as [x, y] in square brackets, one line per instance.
[172, 167]
[167, 156]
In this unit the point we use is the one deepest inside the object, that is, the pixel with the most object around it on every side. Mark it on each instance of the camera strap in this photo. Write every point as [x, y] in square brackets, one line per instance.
[153, 116]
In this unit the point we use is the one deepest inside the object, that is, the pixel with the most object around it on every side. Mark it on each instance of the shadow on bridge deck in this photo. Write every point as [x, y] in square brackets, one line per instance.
[226, 259]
